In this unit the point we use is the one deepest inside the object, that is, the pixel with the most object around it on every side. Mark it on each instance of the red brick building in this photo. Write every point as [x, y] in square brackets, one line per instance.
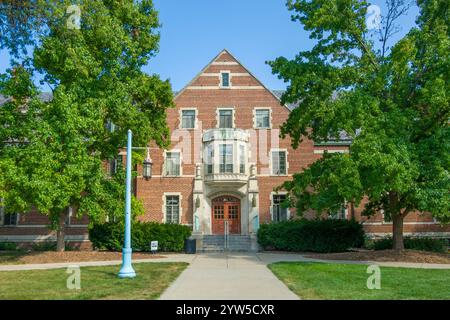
[225, 160]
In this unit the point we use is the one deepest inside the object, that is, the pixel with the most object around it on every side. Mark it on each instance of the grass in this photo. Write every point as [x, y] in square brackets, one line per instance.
[348, 281]
[96, 283]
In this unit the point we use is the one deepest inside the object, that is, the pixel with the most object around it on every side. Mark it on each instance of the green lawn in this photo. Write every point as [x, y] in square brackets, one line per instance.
[96, 282]
[345, 281]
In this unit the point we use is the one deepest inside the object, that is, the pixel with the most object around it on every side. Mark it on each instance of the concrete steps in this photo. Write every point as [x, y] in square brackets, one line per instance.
[217, 243]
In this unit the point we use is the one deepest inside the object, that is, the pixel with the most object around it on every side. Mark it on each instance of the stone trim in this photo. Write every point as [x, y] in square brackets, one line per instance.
[377, 235]
[230, 84]
[38, 238]
[218, 117]
[180, 207]
[224, 63]
[234, 74]
[322, 151]
[289, 213]
[180, 116]
[254, 117]
[164, 175]
[230, 88]
[382, 223]
[271, 162]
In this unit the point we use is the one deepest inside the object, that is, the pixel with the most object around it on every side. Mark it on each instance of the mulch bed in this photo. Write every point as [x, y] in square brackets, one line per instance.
[77, 256]
[386, 256]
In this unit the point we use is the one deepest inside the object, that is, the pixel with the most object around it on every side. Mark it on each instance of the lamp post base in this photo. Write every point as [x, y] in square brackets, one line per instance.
[127, 270]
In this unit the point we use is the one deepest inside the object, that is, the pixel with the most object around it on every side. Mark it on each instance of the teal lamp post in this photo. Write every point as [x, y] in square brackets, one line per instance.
[127, 270]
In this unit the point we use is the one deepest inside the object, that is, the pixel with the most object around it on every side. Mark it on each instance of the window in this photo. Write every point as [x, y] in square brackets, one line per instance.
[225, 118]
[278, 162]
[225, 79]
[188, 119]
[262, 118]
[173, 163]
[339, 214]
[111, 218]
[226, 158]
[114, 165]
[218, 212]
[68, 219]
[110, 126]
[279, 213]
[172, 209]
[8, 219]
[209, 159]
[241, 159]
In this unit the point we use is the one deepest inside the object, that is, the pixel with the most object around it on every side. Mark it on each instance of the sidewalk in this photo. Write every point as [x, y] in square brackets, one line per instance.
[269, 258]
[224, 276]
[42, 266]
[264, 258]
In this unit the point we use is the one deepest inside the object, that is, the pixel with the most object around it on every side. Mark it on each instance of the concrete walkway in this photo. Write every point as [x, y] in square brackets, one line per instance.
[264, 258]
[223, 276]
[278, 257]
[43, 266]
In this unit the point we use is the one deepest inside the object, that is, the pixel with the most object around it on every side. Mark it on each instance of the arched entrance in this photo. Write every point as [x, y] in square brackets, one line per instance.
[226, 209]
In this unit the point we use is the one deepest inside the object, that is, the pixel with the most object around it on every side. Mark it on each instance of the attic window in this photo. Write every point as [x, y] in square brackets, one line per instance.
[225, 79]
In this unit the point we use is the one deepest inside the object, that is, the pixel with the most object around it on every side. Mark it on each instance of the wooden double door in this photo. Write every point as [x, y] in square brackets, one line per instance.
[226, 214]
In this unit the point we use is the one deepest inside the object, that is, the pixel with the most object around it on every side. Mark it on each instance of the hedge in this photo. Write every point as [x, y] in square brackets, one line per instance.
[424, 244]
[170, 237]
[8, 246]
[312, 235]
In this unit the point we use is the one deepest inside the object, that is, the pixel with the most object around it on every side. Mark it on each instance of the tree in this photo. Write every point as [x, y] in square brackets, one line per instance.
[393, 102]
[21, 22]
[52, 153]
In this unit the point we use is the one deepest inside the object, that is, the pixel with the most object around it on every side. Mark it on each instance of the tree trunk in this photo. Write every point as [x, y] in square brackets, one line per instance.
[61, 232]
[397, 232]
[352, 210]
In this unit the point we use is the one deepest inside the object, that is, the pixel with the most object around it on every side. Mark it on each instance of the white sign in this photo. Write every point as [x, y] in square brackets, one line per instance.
[154, 246]
[74, 280]
[374, 281]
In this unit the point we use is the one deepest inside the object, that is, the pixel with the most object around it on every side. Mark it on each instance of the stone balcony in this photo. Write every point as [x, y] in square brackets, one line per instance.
[236, 142]
[225, 134]
[228, 179]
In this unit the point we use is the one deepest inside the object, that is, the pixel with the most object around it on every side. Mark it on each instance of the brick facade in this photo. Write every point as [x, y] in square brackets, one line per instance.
[194, 191]
[205, 96]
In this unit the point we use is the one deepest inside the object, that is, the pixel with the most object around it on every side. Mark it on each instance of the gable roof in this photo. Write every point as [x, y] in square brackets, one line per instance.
[276, 96]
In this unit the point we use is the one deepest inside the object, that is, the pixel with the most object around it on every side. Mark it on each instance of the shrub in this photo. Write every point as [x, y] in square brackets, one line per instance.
[311, 235]
[44, 246]
[424, 244]
[8, 246]
[170, 237]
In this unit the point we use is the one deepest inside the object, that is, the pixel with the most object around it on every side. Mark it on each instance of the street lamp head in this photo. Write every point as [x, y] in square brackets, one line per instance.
[147, 166]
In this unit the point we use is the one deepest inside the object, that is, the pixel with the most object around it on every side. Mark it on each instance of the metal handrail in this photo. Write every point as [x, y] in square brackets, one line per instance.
[226, 234]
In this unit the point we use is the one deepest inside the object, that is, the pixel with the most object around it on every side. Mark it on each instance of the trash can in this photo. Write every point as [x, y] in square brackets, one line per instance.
[190, 246]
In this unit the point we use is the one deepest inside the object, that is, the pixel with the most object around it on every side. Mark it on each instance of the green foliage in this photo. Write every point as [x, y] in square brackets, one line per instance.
[8, 246]
[60, 146]
[424, 244]
[327, 192]
[311, 235]
[20, 23]
[44, 246]
[170, 237]
[393, 103]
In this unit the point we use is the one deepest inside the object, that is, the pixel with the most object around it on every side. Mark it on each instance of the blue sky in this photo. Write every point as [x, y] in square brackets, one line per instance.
[194, 31]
